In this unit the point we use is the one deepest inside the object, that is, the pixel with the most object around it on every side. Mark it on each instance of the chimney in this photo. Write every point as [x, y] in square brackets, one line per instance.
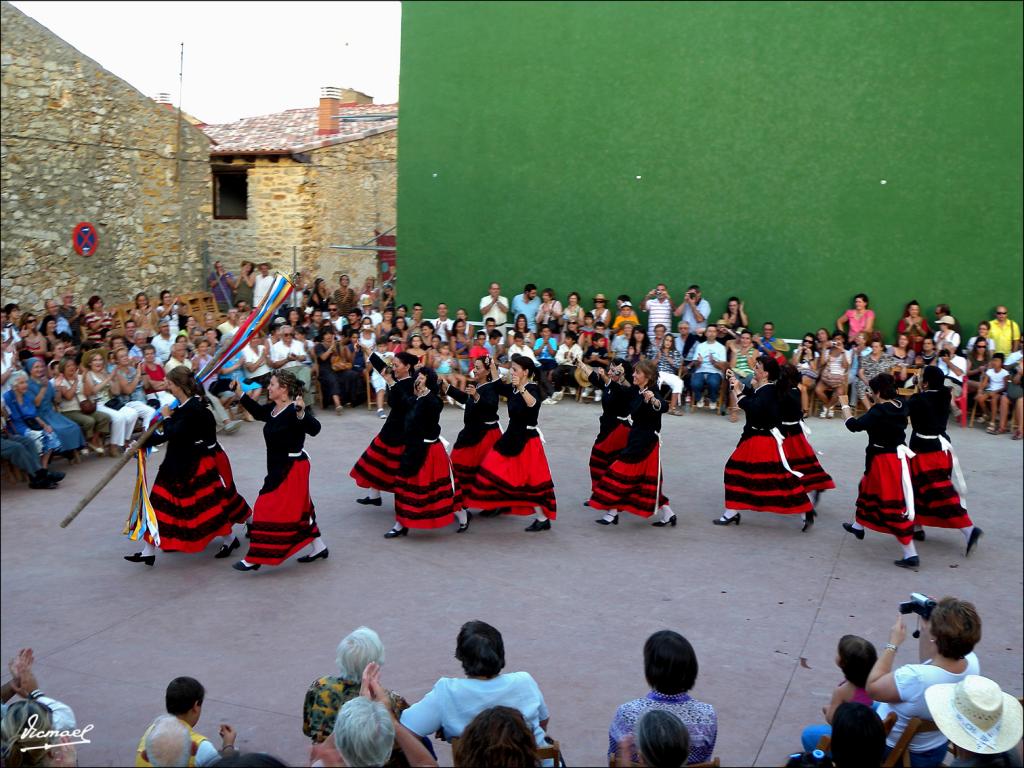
[330, 98]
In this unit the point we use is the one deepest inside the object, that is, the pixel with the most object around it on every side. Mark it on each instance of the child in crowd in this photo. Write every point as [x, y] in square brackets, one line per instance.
[855, 656]
[993, 384]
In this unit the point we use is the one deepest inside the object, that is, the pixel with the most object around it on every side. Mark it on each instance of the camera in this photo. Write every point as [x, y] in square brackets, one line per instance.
[920, 604]
[691, 294]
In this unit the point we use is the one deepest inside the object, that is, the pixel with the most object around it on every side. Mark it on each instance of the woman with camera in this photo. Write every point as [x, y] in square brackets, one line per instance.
[885, 500]
[949, 630]
[938, 480]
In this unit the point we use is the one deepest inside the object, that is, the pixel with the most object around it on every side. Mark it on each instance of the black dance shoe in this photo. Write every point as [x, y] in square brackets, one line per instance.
[538, 525]
[490, 512]
[972, 542]
[463, 527]
[586, 503]
[226, 549]
[394, 534]
[723, 520]
[672, 521]
[138, 557]
[850, 529]
[321, 555]
[808, 521]
[815, 498]
[602, 521]
[369, 500]
[240, 566]
[919, 535]
[908, 562]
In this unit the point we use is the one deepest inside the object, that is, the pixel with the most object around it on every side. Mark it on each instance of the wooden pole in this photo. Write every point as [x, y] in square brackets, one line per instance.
[111, 473]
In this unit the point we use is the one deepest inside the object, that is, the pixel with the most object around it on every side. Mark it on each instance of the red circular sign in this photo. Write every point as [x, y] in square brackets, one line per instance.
[85, 239]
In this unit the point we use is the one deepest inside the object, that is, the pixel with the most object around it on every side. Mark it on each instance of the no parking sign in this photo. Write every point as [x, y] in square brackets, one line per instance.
[84, 239]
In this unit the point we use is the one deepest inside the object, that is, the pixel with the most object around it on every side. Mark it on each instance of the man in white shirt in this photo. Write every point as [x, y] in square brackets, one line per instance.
[658, 306]
[230, 326]
[178, 357]
[953, 367]
[290, 354]
[443, 324]
[163, 340]
[264, 281]
[695, 310]
[494, 306]
[711, 359]
[135, 339]
[568, 356]
[254, 361]
[366, 303]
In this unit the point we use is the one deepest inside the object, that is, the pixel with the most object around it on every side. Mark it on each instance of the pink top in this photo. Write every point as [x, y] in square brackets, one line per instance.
[858, 324]
[860, 696]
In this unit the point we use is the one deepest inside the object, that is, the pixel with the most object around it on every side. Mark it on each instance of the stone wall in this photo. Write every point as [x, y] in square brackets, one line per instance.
[80, 144]
[345, 192]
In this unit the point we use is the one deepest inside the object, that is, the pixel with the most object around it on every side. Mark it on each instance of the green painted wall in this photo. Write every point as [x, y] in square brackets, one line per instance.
[762, 133]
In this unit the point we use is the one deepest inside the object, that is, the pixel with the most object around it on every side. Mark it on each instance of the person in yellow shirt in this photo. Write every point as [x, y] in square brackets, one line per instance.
[172, 735]
[1004, 332]
[626, 314]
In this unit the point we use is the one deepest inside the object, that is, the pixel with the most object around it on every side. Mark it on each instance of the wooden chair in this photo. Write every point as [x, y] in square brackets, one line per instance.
[13, 473]
[369, 389]
[900, 754]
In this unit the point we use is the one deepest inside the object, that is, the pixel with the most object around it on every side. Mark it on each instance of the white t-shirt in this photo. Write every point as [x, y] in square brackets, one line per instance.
[261, 288]
[499, 317]
[442, 328]
[710, 353]
[523, 350]
[280, 350]
[250, 356]
[996, 380]
[911, 681]
[956, 360]
[659, 312]
[454, 701]
[162, 347]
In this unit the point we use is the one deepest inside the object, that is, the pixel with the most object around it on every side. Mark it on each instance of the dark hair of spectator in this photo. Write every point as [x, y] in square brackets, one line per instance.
[92, 301]
[529, 287]
[623, 297]
[856, 658]
[497, 737]
[864, 297]
[956, 627]
[480, 649]
[694, 287]
[670, 664]
[999, 356]
[884, 385]
[858, 738]
[661, 739]
[183, 693]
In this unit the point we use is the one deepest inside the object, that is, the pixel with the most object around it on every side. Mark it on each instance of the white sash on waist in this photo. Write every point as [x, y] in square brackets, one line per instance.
[958, 474]
[537, 430]
[803, 426]
[297, 455]
[782, 454]
[904, 454]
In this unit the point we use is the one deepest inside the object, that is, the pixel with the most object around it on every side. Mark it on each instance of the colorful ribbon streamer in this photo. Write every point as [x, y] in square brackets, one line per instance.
[141, 517]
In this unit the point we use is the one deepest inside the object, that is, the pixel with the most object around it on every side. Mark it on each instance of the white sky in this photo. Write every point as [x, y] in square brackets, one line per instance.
[241, 58]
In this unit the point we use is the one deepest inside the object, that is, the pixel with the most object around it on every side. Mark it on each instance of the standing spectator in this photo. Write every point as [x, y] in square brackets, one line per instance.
[183, 701]
[245, 283]
[601, 312]
[941, 310]
[766, 338]
[97, 320]
[550, 311]
[625, 315]
[946, 333]
[222, 283]
[695, 310]
[573, 312]
[345, 296]
[170, 308]
[527, 303]
[53, 310]
[735, 317]
[1004, 332]
[12, 321]
[914, 325]
[859, 319]
[262, 284]
[72, 314]
[494, 305]
[658, 306]
[711, 360]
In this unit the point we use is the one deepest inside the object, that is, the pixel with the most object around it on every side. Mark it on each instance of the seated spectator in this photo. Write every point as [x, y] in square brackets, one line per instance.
[871, 364]
[568, 357]
[97, 321]
[458, 340]
[573, 312]
[640, 343]
[330, 363]
[953, 368]
[626, 314]
[131, 388]
[832, 375]
[735, 317]
[154, 377]
[521, 346]
[670, 666]
[858, 736]
[929, 353]
[99, 387]
[984, 723]
[1012, 399]
[805, 359]
[43, 394]
[902, 354]
[660, 740]
[914, 325]
[290, 354]
[992, 386]
[669, 361]
[856, 657]
[33, 343]
[621, 341]
[447, 368]
[184, 701]
[498, 736]
[545, 349]
[983, 333]
[550, 311]
[522, 325]
[765, 339]
[710, 363]
[163, 341]
[1005, 333]
[601, 313]
[858, 319]
[942, 310]
[946, 652]
[203, 354]
[20, 745]
[946, 334]
[179, 354]
[453, 702]
[25, 420]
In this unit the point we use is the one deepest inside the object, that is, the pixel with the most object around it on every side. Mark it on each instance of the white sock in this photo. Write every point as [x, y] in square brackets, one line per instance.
[610, 515]
[967, 532]
[538, 513]
[909, 550]
[245, 562]
[666, 513]
[373, 493]
[729, 514]
[398, 526]
[317, 546]
[148, 549]
[856, 526]
[462, 517]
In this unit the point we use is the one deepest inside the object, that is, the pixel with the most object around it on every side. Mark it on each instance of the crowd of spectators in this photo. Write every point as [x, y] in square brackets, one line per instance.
[493, 717]
[75, 382]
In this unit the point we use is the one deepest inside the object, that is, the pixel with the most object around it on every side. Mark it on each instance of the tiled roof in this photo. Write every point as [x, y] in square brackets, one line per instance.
[295, 130]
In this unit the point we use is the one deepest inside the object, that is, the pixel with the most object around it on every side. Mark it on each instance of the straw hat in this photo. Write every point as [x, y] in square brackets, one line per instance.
[947, 320]
[976, 715]
[600, 297]
[780, 345]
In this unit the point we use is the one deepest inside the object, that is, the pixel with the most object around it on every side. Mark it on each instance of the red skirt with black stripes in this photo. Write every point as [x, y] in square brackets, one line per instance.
[467, 460]
[283, 520]
[756, 480]
[378, 466]
[235, 506]
[801, 457]
[605, 451]
[516, 483]
[429, 498]
[190, 510]
[936, 502]
[881, 505]
[632, 485]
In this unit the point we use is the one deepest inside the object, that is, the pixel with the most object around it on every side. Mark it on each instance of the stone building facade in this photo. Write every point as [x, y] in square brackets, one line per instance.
[80, 144]
[313, 178]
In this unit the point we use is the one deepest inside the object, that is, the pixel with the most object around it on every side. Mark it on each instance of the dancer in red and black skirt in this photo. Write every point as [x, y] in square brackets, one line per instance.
[938, 481]
[191, 502]
[617, 393]
[426, 493]
[799, 452]
[378, 466]
[633, 482]
[885, 499]
[480, 431]
[758, 476]
[283, 518]
[515, 475]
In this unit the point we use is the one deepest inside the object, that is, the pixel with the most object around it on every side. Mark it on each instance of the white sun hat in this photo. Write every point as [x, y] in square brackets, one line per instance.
[976, 715]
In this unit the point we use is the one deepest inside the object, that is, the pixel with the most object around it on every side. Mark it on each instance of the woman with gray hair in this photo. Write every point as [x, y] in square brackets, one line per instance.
[327, 695]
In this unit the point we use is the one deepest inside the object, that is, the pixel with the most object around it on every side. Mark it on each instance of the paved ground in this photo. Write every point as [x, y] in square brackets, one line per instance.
[762, 604]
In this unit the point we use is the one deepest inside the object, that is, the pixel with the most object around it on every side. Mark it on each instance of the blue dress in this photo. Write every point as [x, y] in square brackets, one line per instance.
[69, 433]
[22, 414]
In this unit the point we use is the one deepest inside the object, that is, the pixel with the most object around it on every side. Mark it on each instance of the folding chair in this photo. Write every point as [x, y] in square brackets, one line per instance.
[900, 754]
